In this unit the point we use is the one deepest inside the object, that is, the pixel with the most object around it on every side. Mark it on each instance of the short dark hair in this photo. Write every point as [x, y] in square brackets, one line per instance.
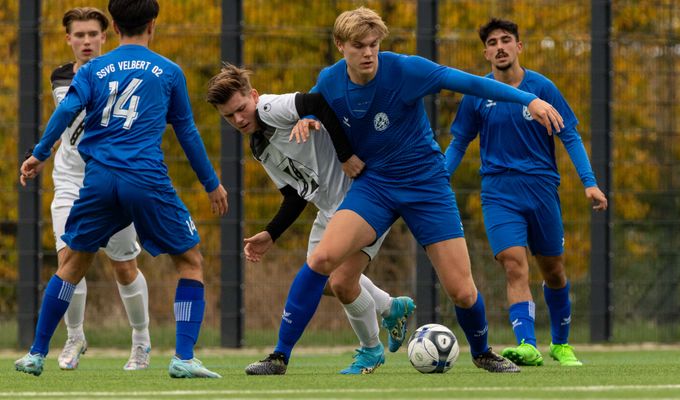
[84, 14]
[229, 81]
[133, 16]
[497, 23]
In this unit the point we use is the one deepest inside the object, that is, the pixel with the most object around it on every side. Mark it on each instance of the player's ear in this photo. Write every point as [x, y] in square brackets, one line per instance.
[339, 45]
[103, 37]
[520, 46]
[255, 95]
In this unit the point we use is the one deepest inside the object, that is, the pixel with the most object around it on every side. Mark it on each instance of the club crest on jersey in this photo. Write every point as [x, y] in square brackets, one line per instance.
[381, 121]
[526, 114]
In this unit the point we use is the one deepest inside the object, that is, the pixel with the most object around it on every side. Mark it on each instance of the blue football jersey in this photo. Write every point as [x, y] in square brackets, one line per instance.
[130, 95]
[510, 140]
[386, 121]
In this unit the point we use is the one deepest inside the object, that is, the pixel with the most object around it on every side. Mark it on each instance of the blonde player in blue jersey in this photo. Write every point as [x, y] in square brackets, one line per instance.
[378, 97]
[310, 172]
[130, 94]
[520, 200]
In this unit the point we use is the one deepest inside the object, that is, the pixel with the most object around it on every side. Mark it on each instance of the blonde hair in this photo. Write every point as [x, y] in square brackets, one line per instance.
[357, 24]
[229, 81]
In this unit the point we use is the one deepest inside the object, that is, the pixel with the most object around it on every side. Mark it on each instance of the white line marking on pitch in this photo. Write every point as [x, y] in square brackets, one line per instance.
[595, 388]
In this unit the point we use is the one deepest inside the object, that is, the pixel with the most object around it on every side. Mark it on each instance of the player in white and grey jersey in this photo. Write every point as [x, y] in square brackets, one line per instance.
[85, 32]
[309, 172]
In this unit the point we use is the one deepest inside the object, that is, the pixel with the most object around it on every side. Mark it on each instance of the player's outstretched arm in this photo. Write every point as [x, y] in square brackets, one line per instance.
[599, 200]
[218, 200]
[257, 246]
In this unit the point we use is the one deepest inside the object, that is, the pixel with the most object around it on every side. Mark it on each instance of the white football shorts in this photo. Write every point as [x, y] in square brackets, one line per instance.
[319, 227]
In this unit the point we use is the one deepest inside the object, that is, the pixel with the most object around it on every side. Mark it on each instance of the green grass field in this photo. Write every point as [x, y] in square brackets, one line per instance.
[613, 373]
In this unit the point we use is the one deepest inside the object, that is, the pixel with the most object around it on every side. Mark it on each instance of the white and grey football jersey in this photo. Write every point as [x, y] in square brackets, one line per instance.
[69, 167]
[312, 167]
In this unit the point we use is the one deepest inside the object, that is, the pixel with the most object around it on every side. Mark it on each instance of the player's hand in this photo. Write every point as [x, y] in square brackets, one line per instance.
[598, 198]
[546, 115]
[30, 169]
[300, 131]
[218, 200]
[256, 246]
[353, 166]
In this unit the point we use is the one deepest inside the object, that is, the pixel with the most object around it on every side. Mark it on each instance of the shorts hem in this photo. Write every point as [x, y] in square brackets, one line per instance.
[443, 238]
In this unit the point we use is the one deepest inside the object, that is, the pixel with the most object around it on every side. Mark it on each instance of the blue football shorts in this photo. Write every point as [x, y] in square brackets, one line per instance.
[428, 206]
[109, 203]
[522, 210]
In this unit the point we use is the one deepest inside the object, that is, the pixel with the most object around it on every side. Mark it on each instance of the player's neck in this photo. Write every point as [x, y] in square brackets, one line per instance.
[141, 40]
[359, 78]
[512, 76]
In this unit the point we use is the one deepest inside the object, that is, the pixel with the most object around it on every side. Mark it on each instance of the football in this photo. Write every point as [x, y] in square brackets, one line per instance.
[433, 349]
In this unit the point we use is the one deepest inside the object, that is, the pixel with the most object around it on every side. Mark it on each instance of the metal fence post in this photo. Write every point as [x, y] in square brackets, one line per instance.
[28, 224]
[231, 298]
[427, 293]
[600, 253]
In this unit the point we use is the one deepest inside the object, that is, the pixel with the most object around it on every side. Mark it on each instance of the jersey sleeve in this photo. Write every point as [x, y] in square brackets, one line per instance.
[182, 120]
[464, 129]
[58, 94]
[569, 135]
[420, 77]
[423, 77]
[315, 104]
[278, 111]
[550, 93]
[577, 152]
[62, 117]
[290, 209]
[81, 84]
[485, 88]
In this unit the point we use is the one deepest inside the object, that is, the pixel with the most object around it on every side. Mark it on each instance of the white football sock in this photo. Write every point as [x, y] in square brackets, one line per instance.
[75, 314]
[383, 301]
[361, 315]
[135, 298]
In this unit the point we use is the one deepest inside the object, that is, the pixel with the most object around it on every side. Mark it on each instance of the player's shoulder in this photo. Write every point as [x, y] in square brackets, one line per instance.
[332, 71]
[389, 60]
[536, 78]
[63, 73]
[275, 103]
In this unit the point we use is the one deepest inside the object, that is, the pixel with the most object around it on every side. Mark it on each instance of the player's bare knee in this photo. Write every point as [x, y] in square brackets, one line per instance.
[125, 271]
[321, 262]
[556, 279]
[189, 263]
[465, 298]
[515, 270]
[341, 289]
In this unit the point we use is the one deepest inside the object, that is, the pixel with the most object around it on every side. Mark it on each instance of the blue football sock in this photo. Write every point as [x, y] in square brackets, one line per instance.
[303, 299]
[473, 322]
[522, 316]
[189, 307]
[559, 306]
[56, 299]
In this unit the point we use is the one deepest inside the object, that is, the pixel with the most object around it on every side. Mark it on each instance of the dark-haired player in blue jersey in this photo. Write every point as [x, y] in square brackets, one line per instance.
[378, 98]
[520, 199]
[129, 94]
